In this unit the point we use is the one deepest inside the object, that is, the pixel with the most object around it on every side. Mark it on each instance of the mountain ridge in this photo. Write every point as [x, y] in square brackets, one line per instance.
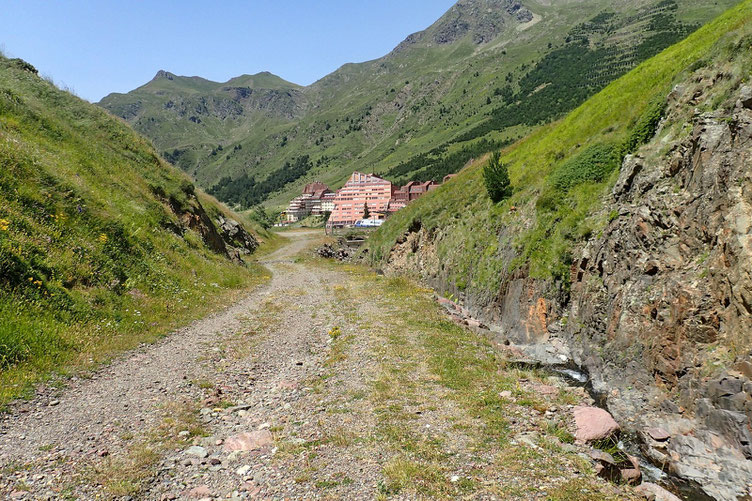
[421, 96]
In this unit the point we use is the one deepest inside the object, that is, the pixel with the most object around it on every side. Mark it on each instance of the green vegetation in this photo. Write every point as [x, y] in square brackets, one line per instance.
[592, 165]
[496, 178]
[436, 164]
[471, 83]
[561, 172]
[593, 54]
[245, 192]
[428, 370]
[94, 255]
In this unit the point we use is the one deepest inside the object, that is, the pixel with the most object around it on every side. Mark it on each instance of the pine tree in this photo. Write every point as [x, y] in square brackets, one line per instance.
[496, 176]
[366, 212]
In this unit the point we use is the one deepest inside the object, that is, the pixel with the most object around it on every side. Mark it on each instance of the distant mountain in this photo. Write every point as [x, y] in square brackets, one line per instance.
[485, 73]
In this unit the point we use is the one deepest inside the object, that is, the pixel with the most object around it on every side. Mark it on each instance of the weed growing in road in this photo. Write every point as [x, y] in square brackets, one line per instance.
[128, 473]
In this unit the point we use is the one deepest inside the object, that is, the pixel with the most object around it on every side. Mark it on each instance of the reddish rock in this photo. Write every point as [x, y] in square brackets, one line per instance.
[593, 424]
[288, 385]
[653, 492]
[658, 434]
[631, 476]
[251, 488]
[546, 389]
[200, 492]
[249, 441]
[445, 302]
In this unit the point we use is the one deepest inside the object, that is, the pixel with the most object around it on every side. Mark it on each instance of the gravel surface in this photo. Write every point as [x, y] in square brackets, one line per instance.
[303, 390]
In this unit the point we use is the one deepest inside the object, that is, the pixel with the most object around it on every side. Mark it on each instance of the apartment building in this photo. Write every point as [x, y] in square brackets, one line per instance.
[359, 192]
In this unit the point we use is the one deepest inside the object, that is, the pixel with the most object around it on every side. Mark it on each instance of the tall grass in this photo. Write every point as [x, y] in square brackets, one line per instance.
[93, 258]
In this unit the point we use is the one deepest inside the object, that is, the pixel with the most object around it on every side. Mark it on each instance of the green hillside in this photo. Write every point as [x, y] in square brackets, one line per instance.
[560, 174]
[103, 245]
[485, 74]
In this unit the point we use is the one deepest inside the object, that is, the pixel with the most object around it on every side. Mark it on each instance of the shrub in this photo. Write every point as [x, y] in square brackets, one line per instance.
[260, 215]
[645, 128]
[592, 165]
[496, 177]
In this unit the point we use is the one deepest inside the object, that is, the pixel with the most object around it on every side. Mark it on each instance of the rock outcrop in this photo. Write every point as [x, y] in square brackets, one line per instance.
[660, 307]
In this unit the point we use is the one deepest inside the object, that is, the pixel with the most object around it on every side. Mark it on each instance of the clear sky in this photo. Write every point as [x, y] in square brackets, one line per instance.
[96, 47]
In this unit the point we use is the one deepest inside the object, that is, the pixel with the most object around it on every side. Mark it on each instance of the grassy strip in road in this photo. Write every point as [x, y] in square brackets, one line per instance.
[432, 367]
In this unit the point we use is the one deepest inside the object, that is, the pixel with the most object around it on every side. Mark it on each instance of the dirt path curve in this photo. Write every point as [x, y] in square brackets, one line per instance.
[329, 382]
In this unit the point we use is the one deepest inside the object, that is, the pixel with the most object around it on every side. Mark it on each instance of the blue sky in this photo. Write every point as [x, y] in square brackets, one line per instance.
[100, 46]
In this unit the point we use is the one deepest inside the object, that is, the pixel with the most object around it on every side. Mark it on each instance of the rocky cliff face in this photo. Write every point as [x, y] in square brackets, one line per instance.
[661, 302]
[219, 233]
[660, 306]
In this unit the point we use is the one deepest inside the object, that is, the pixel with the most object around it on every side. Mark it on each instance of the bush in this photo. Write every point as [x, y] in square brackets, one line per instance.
[645, 128]
[592, 165]
[496, 177]
[260, 215]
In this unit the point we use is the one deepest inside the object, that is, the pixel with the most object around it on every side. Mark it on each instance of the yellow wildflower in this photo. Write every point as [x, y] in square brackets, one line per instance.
[103, 238]
[4, 224]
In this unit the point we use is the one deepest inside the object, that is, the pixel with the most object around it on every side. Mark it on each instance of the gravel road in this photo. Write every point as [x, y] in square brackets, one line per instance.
[284, 395]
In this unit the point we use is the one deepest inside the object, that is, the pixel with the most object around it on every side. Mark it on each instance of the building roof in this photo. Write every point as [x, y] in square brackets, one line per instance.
[314, 187]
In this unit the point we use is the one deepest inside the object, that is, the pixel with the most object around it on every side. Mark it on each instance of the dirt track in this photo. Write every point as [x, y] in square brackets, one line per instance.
[351, 405]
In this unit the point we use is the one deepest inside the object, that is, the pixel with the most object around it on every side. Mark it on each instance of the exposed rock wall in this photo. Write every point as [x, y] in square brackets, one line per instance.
[660, 306]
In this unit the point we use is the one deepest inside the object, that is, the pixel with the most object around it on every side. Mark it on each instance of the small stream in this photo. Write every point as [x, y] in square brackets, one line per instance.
[629, 443]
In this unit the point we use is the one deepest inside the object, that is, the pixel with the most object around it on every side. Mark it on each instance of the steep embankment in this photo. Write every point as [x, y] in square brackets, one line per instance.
[103, 245]
[636, 270]
[483, 74]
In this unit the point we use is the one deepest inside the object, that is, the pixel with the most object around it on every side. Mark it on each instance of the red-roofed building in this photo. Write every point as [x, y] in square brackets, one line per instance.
[360, 191]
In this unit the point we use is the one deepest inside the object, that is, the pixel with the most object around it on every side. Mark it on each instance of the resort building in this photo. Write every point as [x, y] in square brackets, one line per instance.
[347, 206]
[317, 199]
[361, 191]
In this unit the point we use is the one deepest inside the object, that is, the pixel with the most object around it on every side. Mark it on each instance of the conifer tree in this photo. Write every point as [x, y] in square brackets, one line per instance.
[496, 176]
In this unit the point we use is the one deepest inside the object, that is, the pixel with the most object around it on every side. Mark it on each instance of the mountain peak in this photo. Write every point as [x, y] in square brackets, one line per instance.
[164, 74]
[484, 20]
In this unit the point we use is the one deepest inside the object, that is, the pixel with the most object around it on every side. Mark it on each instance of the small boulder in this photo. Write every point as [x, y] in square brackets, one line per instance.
[602, 457]
[200, 492]
[745, 97]
[252, 441]
[593, 424]
[653, 492]
[197, 451]
[631, 476]
[658, 434]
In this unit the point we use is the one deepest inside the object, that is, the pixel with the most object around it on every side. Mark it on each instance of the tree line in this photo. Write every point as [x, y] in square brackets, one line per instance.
[246, 192]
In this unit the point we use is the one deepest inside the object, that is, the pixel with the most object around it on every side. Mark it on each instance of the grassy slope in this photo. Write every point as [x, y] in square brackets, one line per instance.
[480, 241]
[87, 266]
